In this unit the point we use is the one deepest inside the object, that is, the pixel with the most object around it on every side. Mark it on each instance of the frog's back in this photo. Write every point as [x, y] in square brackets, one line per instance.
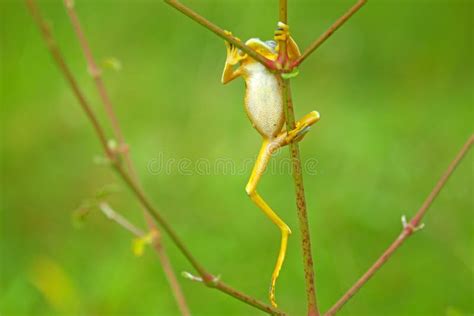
[263, 100]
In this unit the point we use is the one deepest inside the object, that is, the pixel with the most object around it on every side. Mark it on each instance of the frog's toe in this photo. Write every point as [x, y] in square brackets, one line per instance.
[282, 26]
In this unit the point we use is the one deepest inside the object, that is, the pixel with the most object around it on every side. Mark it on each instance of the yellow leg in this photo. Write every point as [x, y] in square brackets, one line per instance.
[301, 128]
[260, 165]
[268, 147]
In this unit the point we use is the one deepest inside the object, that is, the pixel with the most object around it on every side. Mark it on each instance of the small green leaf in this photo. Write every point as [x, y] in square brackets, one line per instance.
[288, 75]
[112, 63]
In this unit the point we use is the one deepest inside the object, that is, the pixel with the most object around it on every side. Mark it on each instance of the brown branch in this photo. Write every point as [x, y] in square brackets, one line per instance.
[312, 305]
[282, 59]
[167, 266]
[94, 70]
[408, 230]
[318, 42]
[56, 53]
[301, 206]
[208, 278]
[96, 74]
[221, 33]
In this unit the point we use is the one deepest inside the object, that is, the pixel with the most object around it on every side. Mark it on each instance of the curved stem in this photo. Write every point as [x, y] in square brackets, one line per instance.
[408, 230]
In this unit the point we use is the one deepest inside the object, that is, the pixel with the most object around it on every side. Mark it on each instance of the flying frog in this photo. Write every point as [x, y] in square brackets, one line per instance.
[264, 106]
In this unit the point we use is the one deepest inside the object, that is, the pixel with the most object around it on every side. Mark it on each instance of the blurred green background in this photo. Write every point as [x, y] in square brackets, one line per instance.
[395, 91]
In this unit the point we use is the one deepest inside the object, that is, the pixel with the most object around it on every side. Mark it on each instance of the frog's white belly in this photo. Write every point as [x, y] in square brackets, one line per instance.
[263, 100]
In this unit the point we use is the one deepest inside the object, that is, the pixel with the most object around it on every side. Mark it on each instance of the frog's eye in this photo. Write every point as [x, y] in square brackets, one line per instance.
[271, 44]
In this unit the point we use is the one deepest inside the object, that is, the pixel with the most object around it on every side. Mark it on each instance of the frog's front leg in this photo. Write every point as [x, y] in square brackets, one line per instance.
[234, 56]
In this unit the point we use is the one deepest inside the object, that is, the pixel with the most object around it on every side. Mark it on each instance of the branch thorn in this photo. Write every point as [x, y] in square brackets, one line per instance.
[216, 279]
[409, 226]
[191, 277]
[117, 148]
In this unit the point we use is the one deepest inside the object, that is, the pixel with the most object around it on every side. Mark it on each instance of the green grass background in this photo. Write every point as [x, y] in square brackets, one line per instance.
[395, 91]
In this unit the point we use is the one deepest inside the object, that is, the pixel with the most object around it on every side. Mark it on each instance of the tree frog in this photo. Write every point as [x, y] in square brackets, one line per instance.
[264, 106]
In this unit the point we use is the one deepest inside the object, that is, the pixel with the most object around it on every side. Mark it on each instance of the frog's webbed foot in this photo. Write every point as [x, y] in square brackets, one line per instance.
[234, 55]
[282, 33]
[302, 127]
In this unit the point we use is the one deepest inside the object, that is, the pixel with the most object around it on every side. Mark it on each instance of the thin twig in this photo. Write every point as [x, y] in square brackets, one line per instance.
[208, 278]
[329, 32]
[408, 230]
[167, 266]
[119, 219]
[220, 32]
[96, 74]
[312, 305]
[94, 70]
[56, 53]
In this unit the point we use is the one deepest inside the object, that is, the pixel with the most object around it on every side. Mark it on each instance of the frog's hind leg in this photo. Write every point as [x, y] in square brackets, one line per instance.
[268, 147]
[302, 126]
[266, 151]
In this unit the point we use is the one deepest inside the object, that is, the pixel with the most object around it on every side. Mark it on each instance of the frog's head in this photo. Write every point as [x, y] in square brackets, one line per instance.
[267, 49]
